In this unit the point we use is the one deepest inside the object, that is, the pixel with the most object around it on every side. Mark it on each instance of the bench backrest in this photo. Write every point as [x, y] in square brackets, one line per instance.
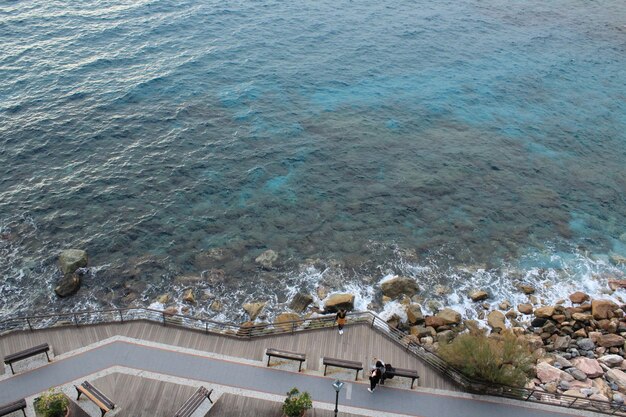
[285, 353]
[11, 407]
[98, 395]
[193, 403]
[342, 363]
[35, 350]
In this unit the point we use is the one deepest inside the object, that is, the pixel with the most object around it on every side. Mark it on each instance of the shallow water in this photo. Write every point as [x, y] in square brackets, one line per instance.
[467, 144]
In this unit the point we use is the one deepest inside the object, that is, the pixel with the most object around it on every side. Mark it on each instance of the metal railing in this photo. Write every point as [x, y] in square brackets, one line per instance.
[249, 331]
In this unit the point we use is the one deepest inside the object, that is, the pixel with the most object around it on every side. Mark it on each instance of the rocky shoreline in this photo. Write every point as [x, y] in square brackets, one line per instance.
[578, 343]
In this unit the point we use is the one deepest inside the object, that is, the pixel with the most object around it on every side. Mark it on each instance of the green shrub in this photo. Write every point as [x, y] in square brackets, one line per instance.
[52, 404]
[499, 359]
[296, 403]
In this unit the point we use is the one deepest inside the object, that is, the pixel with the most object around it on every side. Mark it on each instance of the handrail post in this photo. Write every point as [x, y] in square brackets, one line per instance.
[572, 403]
[29, 326]
[206, 327]
[530, 395]
[121, 315]
[75, 320]
[164, 319]
[373, 318]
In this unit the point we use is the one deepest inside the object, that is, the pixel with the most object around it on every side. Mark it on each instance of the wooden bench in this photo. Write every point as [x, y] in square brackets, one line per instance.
[194, 402]
[285, 354]
[97, 397]
[407, 373]
[11, 407]
[341, 363]
[27, 353]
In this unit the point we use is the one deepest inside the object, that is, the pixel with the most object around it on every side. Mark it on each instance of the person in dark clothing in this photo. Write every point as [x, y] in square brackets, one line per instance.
[340, 318]
[375, 376]
[380, 365]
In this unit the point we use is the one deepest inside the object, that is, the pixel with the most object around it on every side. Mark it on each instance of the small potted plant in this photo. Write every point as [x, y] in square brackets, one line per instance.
[52, 404]
[296, 403]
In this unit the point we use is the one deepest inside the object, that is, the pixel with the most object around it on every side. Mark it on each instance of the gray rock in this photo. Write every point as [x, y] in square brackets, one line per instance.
[574, 353]
[562, 361]
[613, 386]
[564, 385]
[72, 259]
[590, 354]
[585, 344]
[587, 392]
[300, 302]
[267, 259]
[618, 397]
[577, 374]
[611, 360]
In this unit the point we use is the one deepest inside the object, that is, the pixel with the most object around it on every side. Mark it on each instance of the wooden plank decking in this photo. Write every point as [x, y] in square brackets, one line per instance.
[359, 342]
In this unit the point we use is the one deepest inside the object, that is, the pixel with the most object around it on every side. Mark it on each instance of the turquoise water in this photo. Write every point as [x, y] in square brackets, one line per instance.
[355, 138]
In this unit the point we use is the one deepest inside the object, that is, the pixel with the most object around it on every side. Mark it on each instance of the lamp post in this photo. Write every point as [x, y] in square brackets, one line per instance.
[337, 385]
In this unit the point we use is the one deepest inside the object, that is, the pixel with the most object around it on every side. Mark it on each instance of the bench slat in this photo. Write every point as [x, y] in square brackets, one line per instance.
[342, 363]
[407, 373]
[11, 407]
[285, 354]
[93, 398]
[35, 350]
[192, 404]
[99, 395]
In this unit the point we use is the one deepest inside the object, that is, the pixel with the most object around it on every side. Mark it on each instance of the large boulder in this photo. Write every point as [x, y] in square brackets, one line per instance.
[478, 295]
[544, 312]
[496, 320]
[397, 286]
[590, 367]
[525, 308]
[602, 309]
[611, 340]
[267, 259]
[450, 316]
[72, 259]
[69, 285]
[578, 297]
[254, 309]
[335, 302]
[434, 322]
[414, 313]
[300, 302]
[548, 373]
[611, 360]
[618, 377]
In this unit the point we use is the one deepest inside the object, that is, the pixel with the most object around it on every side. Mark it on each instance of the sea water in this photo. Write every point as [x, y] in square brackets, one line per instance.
[467, 144]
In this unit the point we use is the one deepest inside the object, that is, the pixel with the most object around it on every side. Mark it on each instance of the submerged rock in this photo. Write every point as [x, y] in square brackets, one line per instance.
[267, 259]
[478, 295]
[72, 259]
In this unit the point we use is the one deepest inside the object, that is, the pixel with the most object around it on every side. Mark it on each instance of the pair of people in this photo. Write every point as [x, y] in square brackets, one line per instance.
[378, 374]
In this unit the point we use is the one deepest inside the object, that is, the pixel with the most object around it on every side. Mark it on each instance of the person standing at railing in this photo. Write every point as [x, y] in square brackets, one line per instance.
[341, 319]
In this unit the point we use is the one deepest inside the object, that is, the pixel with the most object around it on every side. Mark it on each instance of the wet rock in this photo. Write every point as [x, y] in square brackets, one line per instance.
[505, 305]
[544, 312]
[335, 302]
[617, 260]
[434, 321]
[526, 289]
[267, 259]
[525, 308]
[189, 297]
[216, 306]
[164, 298]
[322, 292]
[590, 367]
[414, 314]
[72, 259]
[286, 321]
[170, 311]
[68, 285]
[602, 309]
[397, 286]
[188, 279]
[538, 322]
[254, 309]
[479, 295]
[611, 340]
[578, 297]
[450, 316]
[300, 302]
[442, 290]
[585, 344]
[495, 320]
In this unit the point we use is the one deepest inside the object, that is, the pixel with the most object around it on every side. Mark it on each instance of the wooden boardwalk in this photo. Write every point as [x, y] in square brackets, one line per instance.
[137, 396]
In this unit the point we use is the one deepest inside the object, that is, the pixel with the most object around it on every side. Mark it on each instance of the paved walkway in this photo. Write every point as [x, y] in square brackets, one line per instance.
[246, 376]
